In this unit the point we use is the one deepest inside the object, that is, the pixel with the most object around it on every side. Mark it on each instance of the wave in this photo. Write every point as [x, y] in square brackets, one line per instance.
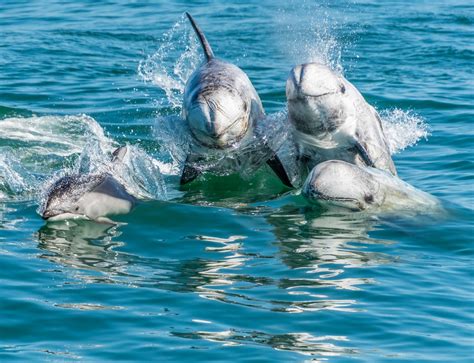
[36, 151]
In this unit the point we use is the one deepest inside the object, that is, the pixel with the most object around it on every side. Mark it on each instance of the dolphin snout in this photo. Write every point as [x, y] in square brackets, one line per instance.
[48, 214]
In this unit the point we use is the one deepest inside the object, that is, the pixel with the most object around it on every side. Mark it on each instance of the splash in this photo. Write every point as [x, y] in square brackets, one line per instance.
[403, 129]
[244, 157]
[315, 37]
[174, 139]
[36, 151]
[15, 181]
[323, 46]
[173, 63]
[43, 143]
[141, 175]
[138, 172]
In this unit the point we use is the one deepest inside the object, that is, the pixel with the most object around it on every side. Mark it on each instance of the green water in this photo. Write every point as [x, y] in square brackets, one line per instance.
[232, 267]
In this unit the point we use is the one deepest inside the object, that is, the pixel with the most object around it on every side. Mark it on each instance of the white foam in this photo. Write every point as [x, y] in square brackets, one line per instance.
[49, 147]
[61, 135]
[403, 129]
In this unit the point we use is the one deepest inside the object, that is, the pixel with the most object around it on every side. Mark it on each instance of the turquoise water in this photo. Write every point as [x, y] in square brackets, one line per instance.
[234, 267]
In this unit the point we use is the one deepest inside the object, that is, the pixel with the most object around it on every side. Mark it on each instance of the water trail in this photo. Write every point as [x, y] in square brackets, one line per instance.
[42, 149]
[31, 148]
[42, 143]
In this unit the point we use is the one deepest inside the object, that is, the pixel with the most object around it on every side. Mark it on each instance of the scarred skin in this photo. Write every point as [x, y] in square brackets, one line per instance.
[333, 121]
[222, 108]
[221, 105]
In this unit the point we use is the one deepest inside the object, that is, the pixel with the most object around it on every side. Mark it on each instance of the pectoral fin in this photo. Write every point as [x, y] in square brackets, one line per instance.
[189, 171]
[364, 154]
[275, 163]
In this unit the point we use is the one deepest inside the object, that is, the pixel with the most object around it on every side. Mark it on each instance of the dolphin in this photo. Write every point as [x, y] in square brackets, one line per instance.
[346, 185]
[222, 108]
[87, 196]
[333, 121]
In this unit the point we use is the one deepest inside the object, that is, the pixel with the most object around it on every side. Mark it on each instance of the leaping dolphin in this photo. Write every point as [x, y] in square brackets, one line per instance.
[333, 121]
[222, 109]
[88, 196]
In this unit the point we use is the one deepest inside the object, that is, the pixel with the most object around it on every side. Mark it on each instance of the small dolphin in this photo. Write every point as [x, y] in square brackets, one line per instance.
[333, 121]
[222, 108]
[350, 186]
[89, 196]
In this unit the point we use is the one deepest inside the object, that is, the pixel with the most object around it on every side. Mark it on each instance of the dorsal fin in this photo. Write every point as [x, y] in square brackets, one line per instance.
[119, 154]
[205, 44]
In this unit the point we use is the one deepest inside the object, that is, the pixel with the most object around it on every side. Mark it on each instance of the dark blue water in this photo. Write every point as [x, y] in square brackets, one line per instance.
[232, 268]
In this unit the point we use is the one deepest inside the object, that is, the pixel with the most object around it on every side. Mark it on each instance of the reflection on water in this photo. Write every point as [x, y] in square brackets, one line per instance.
[316, 253]
[313, 238]
[82, 245]
[302, 343]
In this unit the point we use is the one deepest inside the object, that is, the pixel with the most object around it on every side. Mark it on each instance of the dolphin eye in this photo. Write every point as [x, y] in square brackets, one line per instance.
[369, 198]
[343, 88]
[76, 209]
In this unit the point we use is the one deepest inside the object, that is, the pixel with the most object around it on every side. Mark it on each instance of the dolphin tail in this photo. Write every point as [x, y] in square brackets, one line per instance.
[205, 44]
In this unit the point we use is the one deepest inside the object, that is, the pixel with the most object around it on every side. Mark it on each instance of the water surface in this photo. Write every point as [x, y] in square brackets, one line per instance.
[233, 267]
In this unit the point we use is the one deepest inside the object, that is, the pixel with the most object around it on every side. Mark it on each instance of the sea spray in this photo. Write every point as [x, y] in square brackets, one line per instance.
[172, 64]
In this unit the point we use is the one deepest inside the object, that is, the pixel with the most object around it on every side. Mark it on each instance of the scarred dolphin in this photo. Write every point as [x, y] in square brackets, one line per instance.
[333, 121]
[222, 109]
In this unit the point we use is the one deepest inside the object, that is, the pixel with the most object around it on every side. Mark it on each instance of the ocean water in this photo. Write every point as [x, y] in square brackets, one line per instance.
[232, 267]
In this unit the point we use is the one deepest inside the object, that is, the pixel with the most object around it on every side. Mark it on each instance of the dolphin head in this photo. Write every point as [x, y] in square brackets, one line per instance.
[342, 184]
[63, 197]
[315, 96]
[91, 196]
[218, 119]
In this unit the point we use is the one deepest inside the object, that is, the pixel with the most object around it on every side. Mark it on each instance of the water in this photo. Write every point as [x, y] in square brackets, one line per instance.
[233, 266]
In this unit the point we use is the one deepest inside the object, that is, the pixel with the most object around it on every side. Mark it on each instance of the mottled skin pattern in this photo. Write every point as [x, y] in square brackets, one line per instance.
[333, 121]
[93, 196]
[64, 194]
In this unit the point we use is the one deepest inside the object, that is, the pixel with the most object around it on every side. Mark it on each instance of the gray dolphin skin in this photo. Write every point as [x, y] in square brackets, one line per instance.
[333, 121]
[221, 108]
[346, 185]
[89, 196]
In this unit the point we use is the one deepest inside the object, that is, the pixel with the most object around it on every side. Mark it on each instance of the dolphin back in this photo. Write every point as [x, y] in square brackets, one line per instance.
[202, 38]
